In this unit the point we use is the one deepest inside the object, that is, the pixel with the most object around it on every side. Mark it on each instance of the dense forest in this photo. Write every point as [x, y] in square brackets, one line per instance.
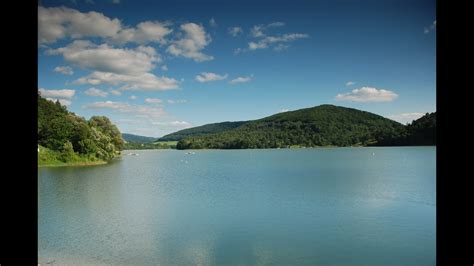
[136, 138]
[325, 125]
[420, 132]
[64, 137]
[202, 130]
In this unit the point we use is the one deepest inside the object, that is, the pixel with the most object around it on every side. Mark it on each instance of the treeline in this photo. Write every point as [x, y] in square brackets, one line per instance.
[70, 136]
[148, 146]
[202, 130]
[325, 125]
[420, 132]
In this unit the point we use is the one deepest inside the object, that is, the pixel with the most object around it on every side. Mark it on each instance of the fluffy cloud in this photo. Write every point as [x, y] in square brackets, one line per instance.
[431, 28]
[235, 31]
[133, 97]
[147, 112]
[142, 82]
[350, 83]
[164, 68]
[267, 41]
[240, 80]
[368, 94]
[55, 23]
[62, 94]
[96, 92]
[61, 101]
[207, 77]
[192, 43]
[257, 31]
[148, 31]
[64, 70]
[108, 59]
[153, 100]
[126, 67]
[60, 22]
[405, 118]
[140, 119]
[284, 110]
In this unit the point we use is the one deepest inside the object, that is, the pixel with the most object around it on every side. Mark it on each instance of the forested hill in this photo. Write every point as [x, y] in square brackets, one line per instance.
[202, 130]
[324, 125]
[136, 138]
[64, 137]
[420, 132]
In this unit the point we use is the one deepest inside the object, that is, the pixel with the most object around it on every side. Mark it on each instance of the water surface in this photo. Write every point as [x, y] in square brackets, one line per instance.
[328, 206]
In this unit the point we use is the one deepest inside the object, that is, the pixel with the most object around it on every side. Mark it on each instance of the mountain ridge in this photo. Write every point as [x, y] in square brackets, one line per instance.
[323, 125]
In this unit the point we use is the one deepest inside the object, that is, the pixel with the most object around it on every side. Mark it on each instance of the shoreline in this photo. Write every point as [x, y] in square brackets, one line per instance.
[73, 164]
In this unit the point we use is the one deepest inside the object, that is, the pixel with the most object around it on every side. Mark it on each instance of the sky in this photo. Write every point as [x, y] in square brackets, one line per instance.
[156, 67]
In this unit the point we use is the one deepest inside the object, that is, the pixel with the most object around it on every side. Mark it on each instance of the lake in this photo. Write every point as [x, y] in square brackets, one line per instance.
[325, 206]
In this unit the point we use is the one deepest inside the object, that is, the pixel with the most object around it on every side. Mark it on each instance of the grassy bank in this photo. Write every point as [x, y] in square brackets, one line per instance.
[50, 158]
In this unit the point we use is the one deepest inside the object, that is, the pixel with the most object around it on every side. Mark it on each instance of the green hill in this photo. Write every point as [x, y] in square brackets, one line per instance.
[201, 130]
[136, 138]
[65, 139]
[418, 133]
[324, 125]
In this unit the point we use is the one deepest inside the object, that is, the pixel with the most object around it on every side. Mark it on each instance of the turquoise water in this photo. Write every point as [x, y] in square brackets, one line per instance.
[329, 206]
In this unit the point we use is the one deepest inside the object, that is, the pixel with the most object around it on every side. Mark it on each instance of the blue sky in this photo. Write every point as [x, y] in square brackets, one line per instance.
[155, 68]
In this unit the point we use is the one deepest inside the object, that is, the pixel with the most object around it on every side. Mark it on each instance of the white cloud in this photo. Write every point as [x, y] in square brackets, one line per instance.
[108, 59]
[64, 70]
[281, 47]
[172, 124]
[405, 118]
[235, 31]
[55, 23]
[147, 31]
[257, 31]
[238, 51]
[146, 112]
[207, 77]
[142, 82]
[116, 92]
[153, 100]
[126, 67]
[240, 80]
[367, 94]
[60, 22]
[61, 101]
[62, 94]
[276, 24]
[176, 101]
[164, 68]
[350, 83]
[267, 41]
[96, 92]
[133, 97]
[259, 45]
[192, 43]
[431, 28]
[284, 110]
[212, 22]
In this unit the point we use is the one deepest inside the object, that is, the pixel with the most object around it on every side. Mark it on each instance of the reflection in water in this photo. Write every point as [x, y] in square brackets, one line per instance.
[243, 207]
